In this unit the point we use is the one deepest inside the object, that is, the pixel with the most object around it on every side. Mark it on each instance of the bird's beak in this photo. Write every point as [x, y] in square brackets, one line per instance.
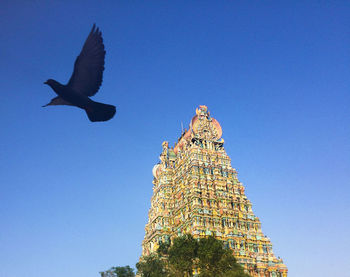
[45, 83]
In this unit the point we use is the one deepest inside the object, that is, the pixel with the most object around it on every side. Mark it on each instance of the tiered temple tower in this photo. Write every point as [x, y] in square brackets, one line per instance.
[196, 191]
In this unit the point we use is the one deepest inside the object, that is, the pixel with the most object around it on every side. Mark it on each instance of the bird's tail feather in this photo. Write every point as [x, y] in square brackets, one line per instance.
[100, 112]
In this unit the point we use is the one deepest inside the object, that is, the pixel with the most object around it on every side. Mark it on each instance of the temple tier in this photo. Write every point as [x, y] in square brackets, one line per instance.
[196, 191]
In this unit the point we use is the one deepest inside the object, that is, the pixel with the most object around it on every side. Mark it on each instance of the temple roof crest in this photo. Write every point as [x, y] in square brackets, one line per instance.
[205, 127]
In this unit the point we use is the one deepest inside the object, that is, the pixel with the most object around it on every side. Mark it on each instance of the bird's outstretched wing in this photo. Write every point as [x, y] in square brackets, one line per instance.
[89, 65]
[58, 101]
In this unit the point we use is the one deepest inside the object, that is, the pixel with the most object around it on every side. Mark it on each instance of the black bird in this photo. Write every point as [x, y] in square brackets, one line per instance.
[85, 80]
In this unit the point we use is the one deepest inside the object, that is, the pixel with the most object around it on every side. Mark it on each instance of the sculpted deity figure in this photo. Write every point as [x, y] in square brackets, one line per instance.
[204, 126]
[165, 146]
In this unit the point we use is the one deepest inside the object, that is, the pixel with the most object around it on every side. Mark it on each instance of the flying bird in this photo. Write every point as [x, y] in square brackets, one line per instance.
[85, 80]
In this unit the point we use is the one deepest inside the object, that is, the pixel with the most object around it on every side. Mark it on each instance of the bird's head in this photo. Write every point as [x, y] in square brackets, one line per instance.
[50, 82]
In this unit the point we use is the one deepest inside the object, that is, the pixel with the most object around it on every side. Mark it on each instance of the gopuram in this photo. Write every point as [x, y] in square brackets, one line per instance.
[196, 191]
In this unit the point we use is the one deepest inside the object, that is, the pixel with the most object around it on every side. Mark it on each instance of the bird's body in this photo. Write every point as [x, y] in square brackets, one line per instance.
[85, 81]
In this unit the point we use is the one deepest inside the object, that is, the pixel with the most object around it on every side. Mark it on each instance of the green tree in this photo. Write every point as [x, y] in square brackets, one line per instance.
[125, 271]
[152, 266]
[179, 259]
[210, 254]
[230, 267]
[182, 256]
[119, 271]
[163, 249]
[215, 260]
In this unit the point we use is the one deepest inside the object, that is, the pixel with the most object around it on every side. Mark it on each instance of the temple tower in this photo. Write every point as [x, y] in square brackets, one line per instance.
[196, 191]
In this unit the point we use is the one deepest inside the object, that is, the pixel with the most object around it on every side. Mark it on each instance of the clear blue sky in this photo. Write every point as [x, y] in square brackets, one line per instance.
[74, 195]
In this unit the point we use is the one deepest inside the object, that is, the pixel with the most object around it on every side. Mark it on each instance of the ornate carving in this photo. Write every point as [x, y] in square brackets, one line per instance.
[205, 127]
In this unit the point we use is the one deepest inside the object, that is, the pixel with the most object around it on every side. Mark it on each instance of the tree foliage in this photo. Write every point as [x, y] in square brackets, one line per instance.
[152, 266]
[182, 255]
[215, 260]
[207, 256]
[119, 271]
[163, 248]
